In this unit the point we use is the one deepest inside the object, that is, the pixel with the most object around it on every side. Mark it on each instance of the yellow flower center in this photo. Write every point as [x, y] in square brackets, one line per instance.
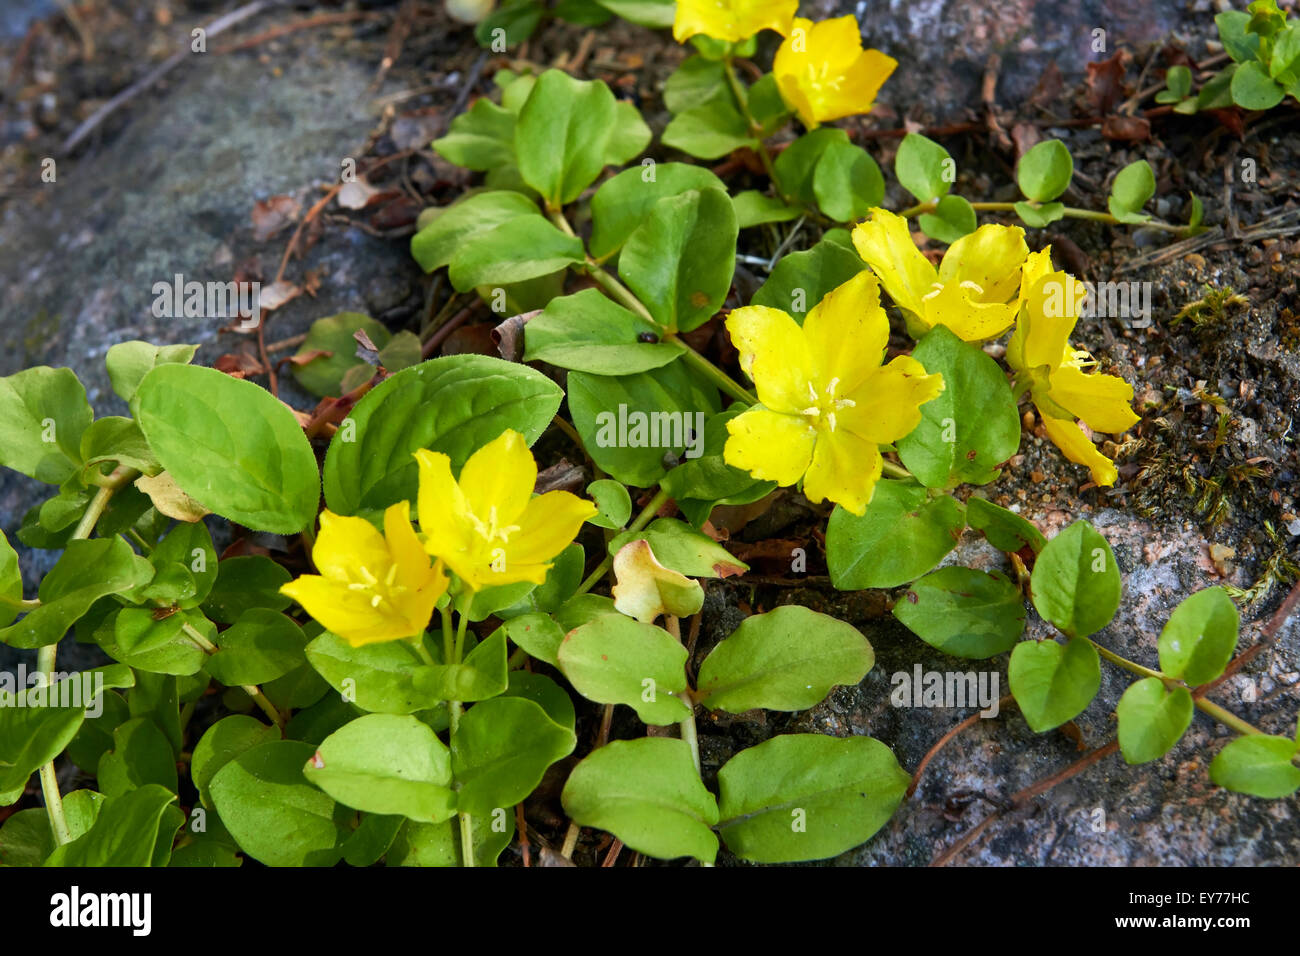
[381, 592]
[491, 530]
[821, 413]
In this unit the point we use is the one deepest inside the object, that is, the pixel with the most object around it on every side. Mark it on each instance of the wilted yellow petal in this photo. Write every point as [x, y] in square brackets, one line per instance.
[885, 244]
[845, 469]
[499, 475]
[646, 589]
[774, 352]
[847, 332]
[1069, 437]
[769, 445]
[1100, 400]
[732, 20]
[888, 404]
[990, 257]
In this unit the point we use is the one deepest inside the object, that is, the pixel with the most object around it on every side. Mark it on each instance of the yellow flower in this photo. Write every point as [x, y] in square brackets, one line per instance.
[1040, 352]
[732, 20]
[824, 74]
[488, 527]
[827, 403]
[970, 292]
[372, 587]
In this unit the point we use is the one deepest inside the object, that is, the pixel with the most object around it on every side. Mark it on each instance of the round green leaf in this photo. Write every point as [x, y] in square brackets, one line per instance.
[900, 536]
[1152, 719]
[124, 834]
[647, 793]
[388, 764]
[953, 217]
[614, 502]
[261, 646]
[971, 427]
[231, 446]
[924, 168]
[1076, 583]
[1253, 89]
[616, 660]
[376, 677]
[624, 201]
[807, 796]
[245, 582]
[322, 374]
[455, 405]
[1258, 765]
[787, 659]
[802, 279]
[562, 133]
[1045, 171]
[456, 225]
[223, 742]
[1198, 640]
[1133, 186]
[501, 750]
[1053, 683]
[587, 332]
[847, 182]
[1004, 529]
[796, 166]
[1039, 216]
[964, 612]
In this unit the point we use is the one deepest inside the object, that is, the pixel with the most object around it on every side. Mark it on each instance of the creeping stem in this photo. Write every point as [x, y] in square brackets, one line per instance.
[454, 712]
[755, 128]
[252, 690]
[1071, 212]
[647, 513]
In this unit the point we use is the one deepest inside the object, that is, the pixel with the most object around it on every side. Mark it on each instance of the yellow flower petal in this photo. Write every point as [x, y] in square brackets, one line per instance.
[990, 257]
[345, 543]
[1047, 317]
[847, 332]
[769, 445]
[547, 526]
[774, 352]
[845, 469]
[1100, 400]
[732, 20]
[1069, 437]
[441, 506]
[499, 475]
[349, 614]
[888, 404]
[1037, 265]
[955, 305]
[824, 74]
[885, 244]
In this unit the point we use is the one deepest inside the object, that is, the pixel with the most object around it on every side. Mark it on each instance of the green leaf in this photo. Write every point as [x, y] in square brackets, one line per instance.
[456, 225]
[561, 135]
[454, 405]
[629, 137]
[1198, 640]
[587, 332]
[141, 755]
[964, 612]
[376, 677]
[680, 260]
[11, 582]
[616, 660]
[261, 646]
[847, 182]
[223, 742]
[245, 582]
[118, 440]
[629, 423]
[1178, 83]
[695, 82]
[767, 106]
[87, 571]
[613, 502]
[648, 794]
[483, 673]
[787, 659]
[1152, 719]
[33, 732]
[901, 535]
[1253, 89]
[624, 201]
[125, 832]
[96, 734]
[501, 750]
[1037, 216]
[231, 446]
[129, 362]
[324, 374]
[656, 14]
[1284, 64]
[953, 217]
[1076, 583]
[538, 634]
[43, 413]
[1004, 529]
[796, 166]
[807, 796]
[698, 484]
[525, 248]
[1053, 683]
[544, 692]
[1216, 92]
[679, 546]
[971, 427]
[924, 168]
[561, 582]
[754, 208]
[438, 844]
[1258, 765]
[482, 138]
[1044, 172]
[277, 817]
[517, 18]
[383, 763]
[190, 546]
[802, 279]
[709, 131]
[1240, 44]
[371, 839]
[1133, 186]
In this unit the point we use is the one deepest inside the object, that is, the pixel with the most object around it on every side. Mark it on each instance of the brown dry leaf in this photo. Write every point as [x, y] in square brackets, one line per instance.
[1106, 85]
[272, 215]
[302, 358]
[277, 294]
[1129, 129]
[239, 365]
[1026, 136]
[509, 335]
[170, 500]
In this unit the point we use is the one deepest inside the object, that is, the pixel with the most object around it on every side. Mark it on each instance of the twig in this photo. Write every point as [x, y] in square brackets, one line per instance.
[320, 20]
[219, 25]
[970, 721]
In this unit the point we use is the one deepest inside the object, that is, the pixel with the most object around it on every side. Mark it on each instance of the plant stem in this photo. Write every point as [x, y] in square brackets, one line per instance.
[892, 470]
[641, 520]
[686, 727]
[454, 712]
[755, 128]
[252, 690]
[717, 376]
[620, 293]
[1070, 212]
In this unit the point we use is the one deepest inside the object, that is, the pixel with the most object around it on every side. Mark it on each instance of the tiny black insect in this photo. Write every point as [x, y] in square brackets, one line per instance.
[648, 337]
